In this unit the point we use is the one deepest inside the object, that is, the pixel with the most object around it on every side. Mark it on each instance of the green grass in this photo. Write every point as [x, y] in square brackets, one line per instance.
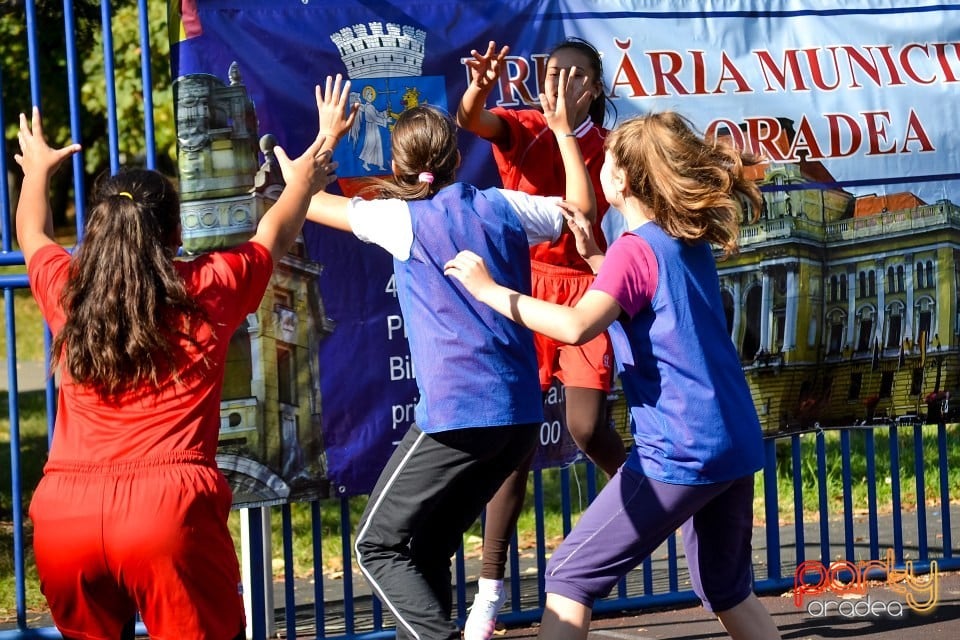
[833, 471]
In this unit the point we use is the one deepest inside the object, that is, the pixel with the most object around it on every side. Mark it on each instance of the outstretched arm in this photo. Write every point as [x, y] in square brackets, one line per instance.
[309, 174]
[326, 208]
[472, 115]
[582, 231]
[593, 313]
[39, 162]
[570, 93]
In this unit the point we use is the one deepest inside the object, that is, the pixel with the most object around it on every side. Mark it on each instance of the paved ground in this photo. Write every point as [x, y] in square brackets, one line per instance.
[942, 623]
[30, 376]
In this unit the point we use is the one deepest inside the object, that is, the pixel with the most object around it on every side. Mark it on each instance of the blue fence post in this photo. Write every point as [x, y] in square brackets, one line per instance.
[771, 507]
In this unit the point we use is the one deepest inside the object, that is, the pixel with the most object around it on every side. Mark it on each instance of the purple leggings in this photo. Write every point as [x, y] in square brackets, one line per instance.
[633, 515]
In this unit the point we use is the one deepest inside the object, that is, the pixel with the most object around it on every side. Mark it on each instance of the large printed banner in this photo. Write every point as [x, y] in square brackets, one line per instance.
[866, 90]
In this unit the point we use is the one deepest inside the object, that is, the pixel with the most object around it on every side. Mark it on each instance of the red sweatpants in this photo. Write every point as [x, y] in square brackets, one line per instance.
[148, 535]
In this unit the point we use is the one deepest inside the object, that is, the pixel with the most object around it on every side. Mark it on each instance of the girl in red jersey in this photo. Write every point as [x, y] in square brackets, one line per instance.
[528, 160]
[131, 513]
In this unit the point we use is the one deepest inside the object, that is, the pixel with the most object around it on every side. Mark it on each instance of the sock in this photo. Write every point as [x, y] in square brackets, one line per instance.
[490, 588]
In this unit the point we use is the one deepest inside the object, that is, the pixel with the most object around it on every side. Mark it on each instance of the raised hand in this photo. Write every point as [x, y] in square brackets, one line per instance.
[471, 271]
[582, 231]
[314, 167]
[335, 117]
[36, 157]
[560, 111]
[485, 68]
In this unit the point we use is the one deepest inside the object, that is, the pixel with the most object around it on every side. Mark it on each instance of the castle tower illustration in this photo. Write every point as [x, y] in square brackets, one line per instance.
[844, 308]
[270, 445]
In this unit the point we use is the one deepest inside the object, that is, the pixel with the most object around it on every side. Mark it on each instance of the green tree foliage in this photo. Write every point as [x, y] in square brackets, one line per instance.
[128, 52]
[91, 82]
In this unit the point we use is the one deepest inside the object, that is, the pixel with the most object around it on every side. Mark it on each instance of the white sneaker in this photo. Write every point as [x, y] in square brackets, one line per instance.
[482, 621]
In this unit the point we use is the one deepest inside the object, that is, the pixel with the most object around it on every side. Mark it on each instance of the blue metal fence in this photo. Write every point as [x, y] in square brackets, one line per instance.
[921, 533]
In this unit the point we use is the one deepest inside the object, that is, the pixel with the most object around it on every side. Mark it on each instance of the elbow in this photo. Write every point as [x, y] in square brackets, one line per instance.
[576, 335]
[582, 338]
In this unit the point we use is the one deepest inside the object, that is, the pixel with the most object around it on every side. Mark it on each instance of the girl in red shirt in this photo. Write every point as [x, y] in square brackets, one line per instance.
[528, 159]
[131, 513]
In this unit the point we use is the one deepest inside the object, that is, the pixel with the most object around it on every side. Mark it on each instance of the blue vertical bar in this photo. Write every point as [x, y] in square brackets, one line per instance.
[771, 507]
[672, 569]
[541, 536]
[377, 608]
[289, 578]
[944, 490]
[106, 28]
[847, 477]
[920, 478]
[150, 144]
[799, 533]
[12, 405]
[825, 555]
[565, 505]
[872, 519]
[16, 485]
[348, 613]
[6, 232]
[647, 576]
[73, 95]
[33, 53]
[461, 585]
[257, 564]
[316, 527]
[895, 494]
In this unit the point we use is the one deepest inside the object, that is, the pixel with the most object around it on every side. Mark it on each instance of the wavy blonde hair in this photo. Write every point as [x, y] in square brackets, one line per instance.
[694, 187]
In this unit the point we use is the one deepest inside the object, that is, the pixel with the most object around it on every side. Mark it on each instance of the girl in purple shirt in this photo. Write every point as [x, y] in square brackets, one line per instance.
[697, 437]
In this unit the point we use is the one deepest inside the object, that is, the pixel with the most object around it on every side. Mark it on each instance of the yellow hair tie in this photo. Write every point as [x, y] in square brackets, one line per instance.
[126, 194]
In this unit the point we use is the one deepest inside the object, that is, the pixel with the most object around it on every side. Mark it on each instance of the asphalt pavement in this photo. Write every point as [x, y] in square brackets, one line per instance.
[889, 617]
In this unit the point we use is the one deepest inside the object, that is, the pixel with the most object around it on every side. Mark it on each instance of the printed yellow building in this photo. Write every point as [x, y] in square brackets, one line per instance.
[844, 309]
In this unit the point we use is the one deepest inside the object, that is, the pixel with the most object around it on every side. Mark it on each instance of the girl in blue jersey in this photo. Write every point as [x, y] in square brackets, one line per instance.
[697, 436]
[479, 409]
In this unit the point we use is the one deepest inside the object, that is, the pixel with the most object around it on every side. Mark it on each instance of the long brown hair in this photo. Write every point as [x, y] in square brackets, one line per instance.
[123, 299]
[693, 186]
[424, 140]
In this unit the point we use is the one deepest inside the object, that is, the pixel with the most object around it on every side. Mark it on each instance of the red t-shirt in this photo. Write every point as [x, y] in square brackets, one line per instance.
[530, 162]
[182, 415]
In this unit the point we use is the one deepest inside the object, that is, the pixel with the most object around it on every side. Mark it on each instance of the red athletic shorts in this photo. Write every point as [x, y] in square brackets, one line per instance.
[147, 535]
[589, 365]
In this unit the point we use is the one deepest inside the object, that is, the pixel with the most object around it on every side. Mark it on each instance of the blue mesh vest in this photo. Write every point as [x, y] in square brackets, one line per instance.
[693, 417]
[474, 367]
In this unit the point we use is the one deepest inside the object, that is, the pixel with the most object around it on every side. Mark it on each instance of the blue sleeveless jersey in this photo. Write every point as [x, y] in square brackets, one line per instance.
[693, 418]
[474, 367]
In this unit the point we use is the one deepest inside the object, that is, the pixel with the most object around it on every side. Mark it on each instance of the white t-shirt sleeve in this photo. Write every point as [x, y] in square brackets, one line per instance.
[613, 225]
[385, 223]
[540, 216]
